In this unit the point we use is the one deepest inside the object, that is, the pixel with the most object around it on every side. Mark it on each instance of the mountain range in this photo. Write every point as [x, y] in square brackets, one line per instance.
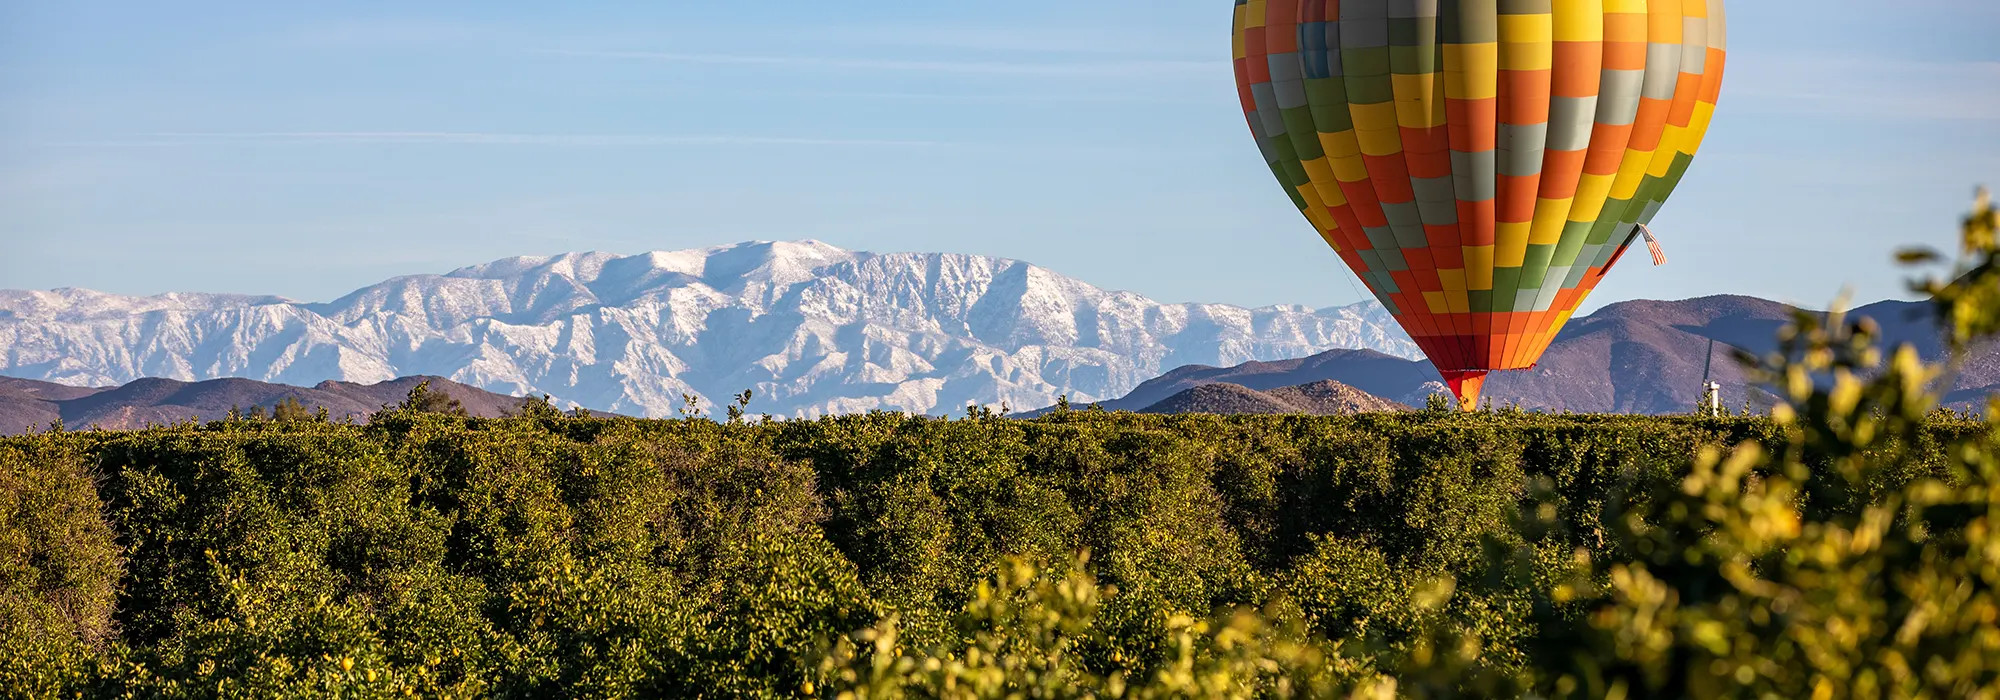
[810, 328]
[815, 330]
[1631, 357]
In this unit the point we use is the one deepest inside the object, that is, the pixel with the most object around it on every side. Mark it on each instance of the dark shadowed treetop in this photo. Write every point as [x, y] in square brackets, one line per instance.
[423, 399]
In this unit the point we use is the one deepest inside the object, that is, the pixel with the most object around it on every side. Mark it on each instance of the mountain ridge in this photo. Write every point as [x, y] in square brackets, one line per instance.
[811, 328]
[1629, 357]
[1633, 357]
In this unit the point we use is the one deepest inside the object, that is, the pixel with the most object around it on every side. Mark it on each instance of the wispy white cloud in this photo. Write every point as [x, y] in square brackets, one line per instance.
[503, 139]
[1081, 96]
[1043, 39]
[1083, 69]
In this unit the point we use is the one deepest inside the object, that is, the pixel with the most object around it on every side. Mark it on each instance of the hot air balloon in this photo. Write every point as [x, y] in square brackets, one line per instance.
[1480, 164]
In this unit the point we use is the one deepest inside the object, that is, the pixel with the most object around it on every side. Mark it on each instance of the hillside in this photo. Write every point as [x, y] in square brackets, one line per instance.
[28, 404]
[1325, 398]
[1632, 357]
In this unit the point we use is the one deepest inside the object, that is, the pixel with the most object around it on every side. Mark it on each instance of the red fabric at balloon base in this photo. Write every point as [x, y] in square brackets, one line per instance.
[1466, 386]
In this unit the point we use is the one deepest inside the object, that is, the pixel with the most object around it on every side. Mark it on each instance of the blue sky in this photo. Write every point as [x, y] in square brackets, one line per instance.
[306, 149]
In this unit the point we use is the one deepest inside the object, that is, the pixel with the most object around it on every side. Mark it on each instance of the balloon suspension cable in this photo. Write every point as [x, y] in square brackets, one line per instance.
[1466, 387]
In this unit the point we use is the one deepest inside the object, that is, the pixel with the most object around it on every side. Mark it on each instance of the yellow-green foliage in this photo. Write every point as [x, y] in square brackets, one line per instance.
[1839, 563]
[59, 567]
[1026, 634]
[551, 555]
[1843, 548]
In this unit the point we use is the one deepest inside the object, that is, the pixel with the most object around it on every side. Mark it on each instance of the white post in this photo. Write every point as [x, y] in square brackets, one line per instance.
[1715, 399]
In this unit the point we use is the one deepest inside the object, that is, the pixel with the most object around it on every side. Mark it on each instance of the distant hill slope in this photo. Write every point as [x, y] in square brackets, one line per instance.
[1634, 357]
[1332, 398]
[1326, 398]
[26, 404]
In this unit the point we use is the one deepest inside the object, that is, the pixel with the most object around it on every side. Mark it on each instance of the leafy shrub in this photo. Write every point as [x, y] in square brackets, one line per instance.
[1026, 632]
[59, 565]
[1845, 560]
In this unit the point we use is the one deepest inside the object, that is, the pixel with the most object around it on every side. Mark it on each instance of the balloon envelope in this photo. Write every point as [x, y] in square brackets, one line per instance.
[1480, 164]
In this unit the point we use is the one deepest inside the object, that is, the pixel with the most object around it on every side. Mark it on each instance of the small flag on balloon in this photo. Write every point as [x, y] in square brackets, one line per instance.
[1653, 244]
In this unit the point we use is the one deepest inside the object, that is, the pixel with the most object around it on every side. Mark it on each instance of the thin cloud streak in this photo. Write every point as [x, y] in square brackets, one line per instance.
[1002, 97]
[1096, 69]
[505, 139]
[1047, 39]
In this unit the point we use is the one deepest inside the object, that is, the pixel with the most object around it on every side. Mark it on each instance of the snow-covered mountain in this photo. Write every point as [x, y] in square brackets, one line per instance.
[811, 328]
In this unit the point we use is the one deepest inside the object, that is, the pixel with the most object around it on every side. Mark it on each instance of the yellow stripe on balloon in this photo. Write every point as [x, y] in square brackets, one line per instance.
[1479, 267]
[1380, 136]
[1325, 182]
[1550, 217]
[1529, 41]
[1631, 172]
[1316, 212]
[1472, 71]
[1340, 144]
[1453, 280]
[1513, 238]
[1579, 20]
[1422, 112]
[1671, 144]
[1591, 193]
[1437, 302]
[1704, 114]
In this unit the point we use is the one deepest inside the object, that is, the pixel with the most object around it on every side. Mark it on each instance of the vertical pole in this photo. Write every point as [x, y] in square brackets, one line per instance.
[1710, 387]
